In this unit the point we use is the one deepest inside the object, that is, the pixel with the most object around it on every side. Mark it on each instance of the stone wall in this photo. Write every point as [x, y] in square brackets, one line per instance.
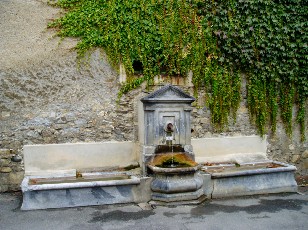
[47, 97]
[59, 102]
[11, 173]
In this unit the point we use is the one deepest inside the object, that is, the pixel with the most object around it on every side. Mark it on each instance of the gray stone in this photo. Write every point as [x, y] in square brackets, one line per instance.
[176, 183]
[4, 178]
[4, 188]
[33, 134]
[16, 178]
[47, 132]
[207, 184]
[5, 114]
[255, 184]
[75, 197]
[254, 181]
[145, 206]
[189, 197]
[168, 105]
[85, 193]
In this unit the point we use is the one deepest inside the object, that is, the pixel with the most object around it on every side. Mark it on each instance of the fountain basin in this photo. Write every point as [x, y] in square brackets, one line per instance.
[91, 189]
[173, 162]
[176, 170]
[176, 183]
[250, 178]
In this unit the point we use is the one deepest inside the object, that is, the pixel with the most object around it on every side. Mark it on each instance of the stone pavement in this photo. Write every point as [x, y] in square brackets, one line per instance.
[279, 211]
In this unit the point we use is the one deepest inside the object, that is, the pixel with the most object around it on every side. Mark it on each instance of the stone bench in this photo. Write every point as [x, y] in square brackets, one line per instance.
[79, 174]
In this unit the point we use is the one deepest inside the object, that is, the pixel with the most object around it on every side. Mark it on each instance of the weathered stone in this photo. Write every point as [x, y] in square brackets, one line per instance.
[47, 132]
[5, 170]
[61, 120]
[4, 178]
[14, 187]
[5, 114]
[6, 156]
[305, 164]
[305, 154]
[291, 147]
[4, 162]
[295, 158]
[4, 188]
[4, 151]
[59, 126]
[16, 177]
[33, 134]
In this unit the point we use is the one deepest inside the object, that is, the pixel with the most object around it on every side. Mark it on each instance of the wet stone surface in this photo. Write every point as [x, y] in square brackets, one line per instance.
[280, 211]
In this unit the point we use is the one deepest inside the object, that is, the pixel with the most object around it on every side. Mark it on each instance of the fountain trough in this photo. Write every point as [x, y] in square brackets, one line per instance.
[81, 189]
[229, 179]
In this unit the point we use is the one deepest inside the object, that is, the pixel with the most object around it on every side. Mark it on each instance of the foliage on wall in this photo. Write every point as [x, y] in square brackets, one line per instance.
[215, 39]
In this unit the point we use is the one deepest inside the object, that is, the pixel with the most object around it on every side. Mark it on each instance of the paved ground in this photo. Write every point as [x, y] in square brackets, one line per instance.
[282, 211]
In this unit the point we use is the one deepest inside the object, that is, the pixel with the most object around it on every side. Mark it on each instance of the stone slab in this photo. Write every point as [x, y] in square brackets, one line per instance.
[86, 193]
[278, 182]
[179, 202]
[74, 197]
[207, 185]
[225, 149]
[39, 159]
[177, 197]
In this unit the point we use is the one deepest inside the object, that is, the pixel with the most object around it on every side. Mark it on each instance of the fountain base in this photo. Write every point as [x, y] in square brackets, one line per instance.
[182, 188]
[176, 185]
[178, 199]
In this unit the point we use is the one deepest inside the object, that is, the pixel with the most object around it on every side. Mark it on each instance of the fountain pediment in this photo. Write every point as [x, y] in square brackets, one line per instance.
[168, 93]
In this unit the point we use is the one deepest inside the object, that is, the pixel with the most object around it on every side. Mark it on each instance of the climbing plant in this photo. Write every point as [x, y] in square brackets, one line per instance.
[215, 39]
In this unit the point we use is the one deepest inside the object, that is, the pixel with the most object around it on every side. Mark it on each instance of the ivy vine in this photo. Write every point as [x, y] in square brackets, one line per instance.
[215, 39]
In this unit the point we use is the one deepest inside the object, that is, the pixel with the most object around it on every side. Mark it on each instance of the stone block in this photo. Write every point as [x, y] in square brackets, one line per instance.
[291, 147]
[4, 162]
[142, 192]
[4, 188]
[15, 178]
[305, 154]
[4, 153]
[14, 187]
[254, 184]
[4, 178]
[148, 150]
[295, 158]
[207, 184]
[5, 170]
[175, 197]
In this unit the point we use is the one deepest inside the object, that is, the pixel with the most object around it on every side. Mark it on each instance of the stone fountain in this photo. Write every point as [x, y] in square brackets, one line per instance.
[82, 174]
[167, 151]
